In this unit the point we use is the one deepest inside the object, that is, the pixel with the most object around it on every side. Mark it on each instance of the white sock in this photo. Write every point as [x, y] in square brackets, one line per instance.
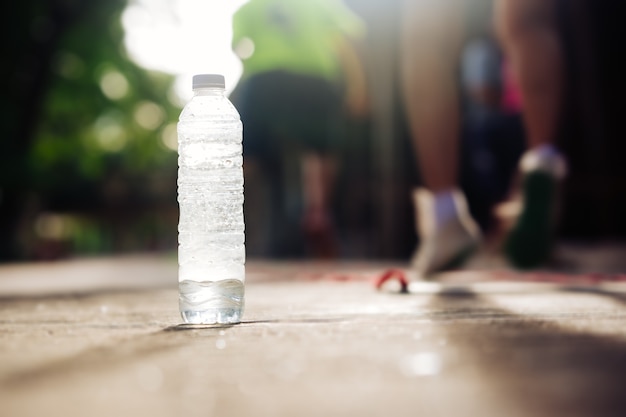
[437, 209]
[445, 207]
[544, 158]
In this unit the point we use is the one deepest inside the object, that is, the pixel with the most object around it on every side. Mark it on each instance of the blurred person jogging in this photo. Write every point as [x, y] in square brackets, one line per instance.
[299, 71]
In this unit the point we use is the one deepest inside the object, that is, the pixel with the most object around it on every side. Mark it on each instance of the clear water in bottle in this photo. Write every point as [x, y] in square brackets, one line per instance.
[211, 252]
[211, 301]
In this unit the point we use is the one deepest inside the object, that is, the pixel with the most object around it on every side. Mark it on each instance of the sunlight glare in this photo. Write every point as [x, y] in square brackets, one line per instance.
[183, 38]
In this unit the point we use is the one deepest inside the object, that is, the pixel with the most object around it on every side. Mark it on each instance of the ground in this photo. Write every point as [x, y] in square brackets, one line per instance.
[103, 337]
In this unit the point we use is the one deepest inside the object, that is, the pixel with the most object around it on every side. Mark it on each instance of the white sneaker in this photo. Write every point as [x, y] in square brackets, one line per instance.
[448, 236]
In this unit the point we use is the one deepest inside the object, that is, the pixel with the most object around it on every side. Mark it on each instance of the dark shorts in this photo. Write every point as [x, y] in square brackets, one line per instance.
[281, 110]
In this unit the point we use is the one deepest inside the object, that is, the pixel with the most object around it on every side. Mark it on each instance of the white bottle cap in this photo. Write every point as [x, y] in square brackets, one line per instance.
[208, 81]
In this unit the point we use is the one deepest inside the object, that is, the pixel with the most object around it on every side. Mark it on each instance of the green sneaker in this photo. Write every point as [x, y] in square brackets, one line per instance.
[529, 243]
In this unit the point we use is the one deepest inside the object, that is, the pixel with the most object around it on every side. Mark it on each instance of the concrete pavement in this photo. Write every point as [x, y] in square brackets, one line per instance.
[102, 337]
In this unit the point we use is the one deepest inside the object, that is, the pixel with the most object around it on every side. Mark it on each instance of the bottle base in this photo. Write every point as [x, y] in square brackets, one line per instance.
[211, 302]
[213, 316]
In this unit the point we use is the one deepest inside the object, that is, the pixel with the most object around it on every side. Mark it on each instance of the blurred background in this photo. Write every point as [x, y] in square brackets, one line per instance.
[92, 92]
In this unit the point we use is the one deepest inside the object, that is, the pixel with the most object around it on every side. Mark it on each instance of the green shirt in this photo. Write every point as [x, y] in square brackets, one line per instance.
[299, 36]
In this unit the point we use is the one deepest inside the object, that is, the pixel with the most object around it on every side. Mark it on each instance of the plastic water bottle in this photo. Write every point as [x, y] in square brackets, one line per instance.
[211, 252]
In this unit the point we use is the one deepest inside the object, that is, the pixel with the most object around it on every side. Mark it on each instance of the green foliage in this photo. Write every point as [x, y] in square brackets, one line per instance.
[83, 134]
[102, 114]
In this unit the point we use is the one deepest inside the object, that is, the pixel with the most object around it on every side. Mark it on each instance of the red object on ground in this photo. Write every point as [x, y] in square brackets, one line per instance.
[398, 274]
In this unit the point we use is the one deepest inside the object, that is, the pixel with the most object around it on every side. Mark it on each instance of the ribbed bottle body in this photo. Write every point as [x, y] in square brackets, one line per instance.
[211, 250]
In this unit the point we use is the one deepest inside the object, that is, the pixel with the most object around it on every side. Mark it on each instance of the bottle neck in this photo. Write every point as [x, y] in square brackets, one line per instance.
[208, 91]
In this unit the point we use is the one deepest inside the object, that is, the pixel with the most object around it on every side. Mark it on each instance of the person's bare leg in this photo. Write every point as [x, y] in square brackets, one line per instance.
[318, 179]
[530, 37]
[529, 33]
[431, 40]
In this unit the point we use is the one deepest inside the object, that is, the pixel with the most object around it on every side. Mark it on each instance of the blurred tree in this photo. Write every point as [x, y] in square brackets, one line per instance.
[85, 127]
